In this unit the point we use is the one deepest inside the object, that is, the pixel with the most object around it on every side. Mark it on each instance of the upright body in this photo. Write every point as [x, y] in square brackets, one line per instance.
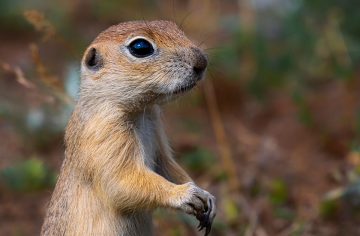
[118, 165]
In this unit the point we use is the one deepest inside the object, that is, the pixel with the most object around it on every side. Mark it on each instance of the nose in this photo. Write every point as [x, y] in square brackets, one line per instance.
[201, 61]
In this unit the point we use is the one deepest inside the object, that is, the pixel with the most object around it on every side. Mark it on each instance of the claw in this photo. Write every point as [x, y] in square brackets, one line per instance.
[200, 226]
[204, 221]
[208, 228]
[207, 223]
[203, 210]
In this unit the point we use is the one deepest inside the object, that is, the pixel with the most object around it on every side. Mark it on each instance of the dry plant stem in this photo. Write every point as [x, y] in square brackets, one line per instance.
[19, 75]
[40, 23]
[47, 30]
[47, 79]
[223, 144]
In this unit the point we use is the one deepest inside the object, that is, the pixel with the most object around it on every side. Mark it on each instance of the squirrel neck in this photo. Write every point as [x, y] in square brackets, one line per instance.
[126, 102]
[124, 117]
[100, 126]
[108, 125]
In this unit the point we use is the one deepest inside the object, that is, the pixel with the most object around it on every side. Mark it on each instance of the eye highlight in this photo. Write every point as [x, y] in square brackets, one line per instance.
[141, 48]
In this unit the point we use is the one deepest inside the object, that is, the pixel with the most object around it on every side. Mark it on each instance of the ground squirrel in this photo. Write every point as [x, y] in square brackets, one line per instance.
[118, 165]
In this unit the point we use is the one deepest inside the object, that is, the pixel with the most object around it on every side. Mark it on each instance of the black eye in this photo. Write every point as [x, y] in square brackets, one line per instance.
[141, 48]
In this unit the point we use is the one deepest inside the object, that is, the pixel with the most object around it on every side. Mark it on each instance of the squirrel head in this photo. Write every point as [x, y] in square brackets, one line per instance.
[138, 63]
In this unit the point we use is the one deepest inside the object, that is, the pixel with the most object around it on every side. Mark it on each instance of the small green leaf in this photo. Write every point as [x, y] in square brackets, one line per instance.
[231, 210]
[329, 208]
[279, 192]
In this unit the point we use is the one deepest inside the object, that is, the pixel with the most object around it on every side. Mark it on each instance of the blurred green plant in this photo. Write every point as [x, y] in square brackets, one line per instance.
[329, 208]
[232, 211]
[27, 176]
[303, 47]
[198, 160]
[278, 192]
[304, 113]
[279, 197]
[340, 200]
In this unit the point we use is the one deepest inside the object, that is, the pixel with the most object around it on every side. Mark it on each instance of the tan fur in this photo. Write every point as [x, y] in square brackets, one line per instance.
[118, 165]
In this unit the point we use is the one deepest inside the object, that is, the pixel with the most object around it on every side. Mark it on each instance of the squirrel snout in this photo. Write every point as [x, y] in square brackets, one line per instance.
[201, 61]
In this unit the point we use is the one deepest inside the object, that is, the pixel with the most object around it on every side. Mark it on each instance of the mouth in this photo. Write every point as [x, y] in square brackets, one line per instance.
[184, 89]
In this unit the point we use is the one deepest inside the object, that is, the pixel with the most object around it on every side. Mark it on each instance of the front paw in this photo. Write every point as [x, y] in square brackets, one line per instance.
[201, 204]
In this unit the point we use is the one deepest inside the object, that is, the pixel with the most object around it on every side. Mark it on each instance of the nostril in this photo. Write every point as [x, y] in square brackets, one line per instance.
[198, 70]
[200, 63]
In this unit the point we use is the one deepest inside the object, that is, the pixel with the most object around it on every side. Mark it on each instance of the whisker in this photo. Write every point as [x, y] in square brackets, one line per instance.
[213, 70]
[181, 26]
[173, 10]
[214, 48]
[207, 37]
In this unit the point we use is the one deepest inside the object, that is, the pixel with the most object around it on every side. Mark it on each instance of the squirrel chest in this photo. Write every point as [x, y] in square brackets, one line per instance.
[145, 129]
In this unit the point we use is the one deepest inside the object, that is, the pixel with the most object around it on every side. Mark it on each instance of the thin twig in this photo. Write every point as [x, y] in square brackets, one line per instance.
[47, 30]
[223, 144]
[19, 75]
[50, 81]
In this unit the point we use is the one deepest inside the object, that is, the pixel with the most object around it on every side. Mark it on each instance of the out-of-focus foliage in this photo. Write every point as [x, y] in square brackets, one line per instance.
[302, 44]
[199, 160]
[29, 175]
[279, 192]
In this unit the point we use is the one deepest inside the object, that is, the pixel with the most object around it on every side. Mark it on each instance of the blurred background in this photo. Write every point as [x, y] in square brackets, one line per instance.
[273, 132]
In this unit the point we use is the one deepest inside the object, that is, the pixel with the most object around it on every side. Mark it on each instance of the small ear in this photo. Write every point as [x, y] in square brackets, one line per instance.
[93, 59]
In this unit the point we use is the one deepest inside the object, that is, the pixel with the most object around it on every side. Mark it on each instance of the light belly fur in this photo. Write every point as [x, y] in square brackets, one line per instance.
[146, 134]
